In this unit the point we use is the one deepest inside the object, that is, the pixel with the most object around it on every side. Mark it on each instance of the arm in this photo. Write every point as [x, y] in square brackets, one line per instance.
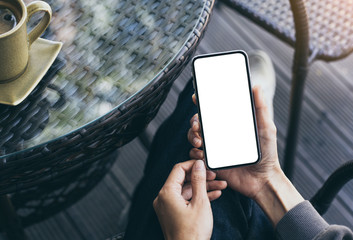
[293, 217]
[304, 222]
[265, 182]
[277, 197]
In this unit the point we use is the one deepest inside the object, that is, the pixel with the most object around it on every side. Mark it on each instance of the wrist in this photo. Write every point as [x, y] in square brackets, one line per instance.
[278, 196]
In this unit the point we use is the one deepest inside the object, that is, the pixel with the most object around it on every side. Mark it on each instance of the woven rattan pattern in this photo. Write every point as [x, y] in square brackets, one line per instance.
[111, 50]
[330, 23]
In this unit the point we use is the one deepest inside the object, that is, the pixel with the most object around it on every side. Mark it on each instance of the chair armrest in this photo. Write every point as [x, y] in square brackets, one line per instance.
[325, 195]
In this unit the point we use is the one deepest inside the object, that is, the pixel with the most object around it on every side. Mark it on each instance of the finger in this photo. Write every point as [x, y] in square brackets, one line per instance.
[210, 175]
[258, 97]
[216, 185]
[262, 114]
[266, 126]
[194, 138]
[194, 98]
[214, 195]
[196, 153]
[210, 186]
[198, 182]
[186, 192]
[195, 123]
[177, 176]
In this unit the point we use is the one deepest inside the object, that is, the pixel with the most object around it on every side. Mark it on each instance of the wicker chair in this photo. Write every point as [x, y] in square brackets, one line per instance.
[317, 29]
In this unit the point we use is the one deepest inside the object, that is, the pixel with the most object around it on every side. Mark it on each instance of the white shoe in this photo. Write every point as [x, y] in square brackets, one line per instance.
[263, 75]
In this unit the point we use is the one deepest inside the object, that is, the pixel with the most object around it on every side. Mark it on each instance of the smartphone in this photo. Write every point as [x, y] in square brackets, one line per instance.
[226, 109]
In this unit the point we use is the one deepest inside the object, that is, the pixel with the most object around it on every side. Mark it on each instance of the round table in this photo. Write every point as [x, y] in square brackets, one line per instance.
[118, 62]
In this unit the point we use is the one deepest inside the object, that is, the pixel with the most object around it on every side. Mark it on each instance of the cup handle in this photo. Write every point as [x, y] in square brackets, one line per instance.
[44, 22]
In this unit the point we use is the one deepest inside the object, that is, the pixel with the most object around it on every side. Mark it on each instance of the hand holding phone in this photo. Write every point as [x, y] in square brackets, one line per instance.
[226, 109]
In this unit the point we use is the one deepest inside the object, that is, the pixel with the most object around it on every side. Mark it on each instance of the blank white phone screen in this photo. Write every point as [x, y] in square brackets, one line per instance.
[226, 111]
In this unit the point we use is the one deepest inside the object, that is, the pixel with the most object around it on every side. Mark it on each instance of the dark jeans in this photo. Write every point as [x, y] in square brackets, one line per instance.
[235, 216]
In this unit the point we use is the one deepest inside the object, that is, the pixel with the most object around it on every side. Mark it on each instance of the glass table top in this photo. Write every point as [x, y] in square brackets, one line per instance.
[112, 50]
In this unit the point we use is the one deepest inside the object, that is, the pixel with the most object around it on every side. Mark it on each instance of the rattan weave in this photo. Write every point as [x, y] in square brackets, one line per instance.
[330, 23]
[117, 65]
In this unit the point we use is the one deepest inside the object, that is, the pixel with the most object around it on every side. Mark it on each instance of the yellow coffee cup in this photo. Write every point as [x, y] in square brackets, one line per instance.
[15, 43]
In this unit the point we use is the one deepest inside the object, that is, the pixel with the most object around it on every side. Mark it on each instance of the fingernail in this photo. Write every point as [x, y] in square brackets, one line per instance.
[200, 155]
[199, 165]
[196, 140]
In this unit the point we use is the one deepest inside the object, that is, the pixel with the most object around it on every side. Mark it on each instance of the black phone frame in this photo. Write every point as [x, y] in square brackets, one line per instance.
[252, 106]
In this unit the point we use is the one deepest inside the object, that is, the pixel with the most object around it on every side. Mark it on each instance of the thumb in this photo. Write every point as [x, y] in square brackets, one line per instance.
[198, 181]
[262, 115]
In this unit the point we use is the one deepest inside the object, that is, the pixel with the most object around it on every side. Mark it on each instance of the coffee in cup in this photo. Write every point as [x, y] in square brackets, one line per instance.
[15, 42]
[7, 20]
